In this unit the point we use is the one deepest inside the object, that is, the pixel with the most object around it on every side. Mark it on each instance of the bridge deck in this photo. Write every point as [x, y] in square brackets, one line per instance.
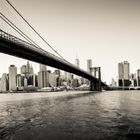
[12, 45]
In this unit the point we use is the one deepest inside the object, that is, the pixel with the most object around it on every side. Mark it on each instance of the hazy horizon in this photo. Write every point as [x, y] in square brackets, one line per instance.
[106, 31]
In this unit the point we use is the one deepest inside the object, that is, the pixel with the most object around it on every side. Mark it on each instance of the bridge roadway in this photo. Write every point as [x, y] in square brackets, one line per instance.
[14, 46]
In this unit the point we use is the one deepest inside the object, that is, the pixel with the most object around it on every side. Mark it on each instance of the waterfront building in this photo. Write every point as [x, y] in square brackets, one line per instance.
[27, 70]
[89, 65]
[20, 81]
[124, 74]
[23, 69]
[75, 83]
[138, 77]
[31, 80]
[4, 83]
[133, 79]
[43, 80]
[57, 73]
[12, 78]
[113, 83]
[25, 82]
[52, 80]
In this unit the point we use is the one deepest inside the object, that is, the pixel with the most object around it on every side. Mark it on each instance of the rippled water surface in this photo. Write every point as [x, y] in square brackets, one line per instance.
[113, 115]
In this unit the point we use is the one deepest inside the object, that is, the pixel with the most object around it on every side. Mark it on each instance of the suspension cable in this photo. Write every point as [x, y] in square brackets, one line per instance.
[27, 38]
[34, 29]
[14, 28]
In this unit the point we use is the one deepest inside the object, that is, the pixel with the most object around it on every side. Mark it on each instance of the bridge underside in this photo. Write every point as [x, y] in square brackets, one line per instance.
[25, 52]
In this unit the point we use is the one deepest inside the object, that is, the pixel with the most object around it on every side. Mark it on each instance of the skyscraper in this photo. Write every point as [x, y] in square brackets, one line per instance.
[12, 78]
[138, 77]
[28, 73]
[23, 69]
[138, 73]
[52, 80]
[42, 77]
[126, 67]
[20, 82]
[89, 65]
[124, 73]
[77, 63]
[4, 82]
[120, 71]
[27, 70]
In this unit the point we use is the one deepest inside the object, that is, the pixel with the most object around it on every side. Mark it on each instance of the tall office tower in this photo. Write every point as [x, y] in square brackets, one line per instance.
[120, 71]
[138, 77]
[27, 70]
[138, 73]
[20, 82]
[77, 63]
[58, 78]
[89, 65]
[4, 83]
[23, 69]
[57, 73]
[124, 73]
[12, 78]
[68, 77]
[52, 80]
[42, 77]
[28, 67]
[133, 79]
[126, 67]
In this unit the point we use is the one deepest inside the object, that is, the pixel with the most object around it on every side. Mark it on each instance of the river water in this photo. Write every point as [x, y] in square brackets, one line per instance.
[112, 115]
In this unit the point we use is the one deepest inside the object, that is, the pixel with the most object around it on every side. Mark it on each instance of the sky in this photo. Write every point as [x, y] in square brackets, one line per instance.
[106, 31]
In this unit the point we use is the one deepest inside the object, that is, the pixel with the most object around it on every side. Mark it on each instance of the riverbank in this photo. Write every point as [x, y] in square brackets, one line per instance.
[26, 96]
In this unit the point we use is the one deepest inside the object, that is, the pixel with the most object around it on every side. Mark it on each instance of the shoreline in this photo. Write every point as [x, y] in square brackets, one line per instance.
[35, 95]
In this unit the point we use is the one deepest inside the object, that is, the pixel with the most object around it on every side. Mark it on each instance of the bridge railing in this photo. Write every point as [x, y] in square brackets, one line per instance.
[25, 43]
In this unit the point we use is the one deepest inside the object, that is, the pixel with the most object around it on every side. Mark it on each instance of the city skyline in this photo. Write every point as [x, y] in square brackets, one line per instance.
[27, 80]
[106, 32]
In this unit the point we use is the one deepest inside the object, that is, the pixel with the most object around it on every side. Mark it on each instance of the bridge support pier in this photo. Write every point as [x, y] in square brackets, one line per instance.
[96, 85]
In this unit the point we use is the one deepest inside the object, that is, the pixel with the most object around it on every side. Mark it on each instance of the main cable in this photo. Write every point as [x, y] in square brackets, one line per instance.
[27, 38]
[6, 20]
[34, 29]
[14, 28]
